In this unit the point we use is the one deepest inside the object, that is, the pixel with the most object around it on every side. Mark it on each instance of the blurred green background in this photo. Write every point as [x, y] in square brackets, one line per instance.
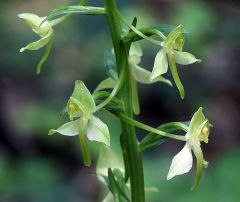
[35, 167]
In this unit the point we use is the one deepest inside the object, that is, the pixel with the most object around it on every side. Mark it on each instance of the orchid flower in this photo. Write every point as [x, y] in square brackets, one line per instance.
[140, 74]
[170, 54]
[108, 159]
[42, 28]
[81, 107]
[198, 131]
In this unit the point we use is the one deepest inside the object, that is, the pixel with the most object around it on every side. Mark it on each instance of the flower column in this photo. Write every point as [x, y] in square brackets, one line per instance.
[133, 162]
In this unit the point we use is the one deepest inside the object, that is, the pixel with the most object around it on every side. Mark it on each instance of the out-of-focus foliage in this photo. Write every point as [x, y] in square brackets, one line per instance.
[37, 167]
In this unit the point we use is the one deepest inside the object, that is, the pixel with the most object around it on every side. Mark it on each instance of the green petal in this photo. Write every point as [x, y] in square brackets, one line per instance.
[98, 131]
[105, 84]
[140, 74]
[38, 44]
[172, 38]
[34, 22]
[176, 76]
[197, 119]
[75, 108]
[31, 19]
[134, 59]
[200, 165]
[203, 131]
[160, 64]
[184, 58]
[144, 76]
[135, 50]
[68, 129]
[81, 101]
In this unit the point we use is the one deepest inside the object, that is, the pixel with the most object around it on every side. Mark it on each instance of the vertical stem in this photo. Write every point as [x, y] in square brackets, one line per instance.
[135, 165]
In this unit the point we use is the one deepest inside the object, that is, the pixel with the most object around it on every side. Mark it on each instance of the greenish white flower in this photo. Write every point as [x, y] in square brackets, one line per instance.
[140, 74]
[170, 54]
[44, 29]
[108, 159]
[81, 107]
[198, 131]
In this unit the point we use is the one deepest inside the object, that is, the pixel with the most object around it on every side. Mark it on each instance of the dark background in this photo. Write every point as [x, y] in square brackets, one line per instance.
[35, 167]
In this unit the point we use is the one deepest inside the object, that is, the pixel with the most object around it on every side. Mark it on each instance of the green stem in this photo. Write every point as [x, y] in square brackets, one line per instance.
[149, 128]
[131, 143]
[114, 91]
[134, 29]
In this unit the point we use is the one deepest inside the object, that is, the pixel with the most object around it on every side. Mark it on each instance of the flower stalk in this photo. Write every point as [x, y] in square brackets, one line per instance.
[135, 165]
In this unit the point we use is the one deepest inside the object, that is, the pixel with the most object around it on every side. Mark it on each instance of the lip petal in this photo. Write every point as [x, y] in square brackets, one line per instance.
[181, 163]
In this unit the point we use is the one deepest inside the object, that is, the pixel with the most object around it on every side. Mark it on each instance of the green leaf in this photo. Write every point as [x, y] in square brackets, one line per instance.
[81, 102]
[149, 31]
[153, 140]
[134, 23]
[83, 2]
[135, 98]
[175, 75]
[122, 187]
[45, 56]
[184, 58]
[113, 186]
[114, 105]
[111, 65]
[68, 129]
[99, 95]
[76, 9]
[125, 157]
[98, 131]
[105, 84]
[117, 186]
